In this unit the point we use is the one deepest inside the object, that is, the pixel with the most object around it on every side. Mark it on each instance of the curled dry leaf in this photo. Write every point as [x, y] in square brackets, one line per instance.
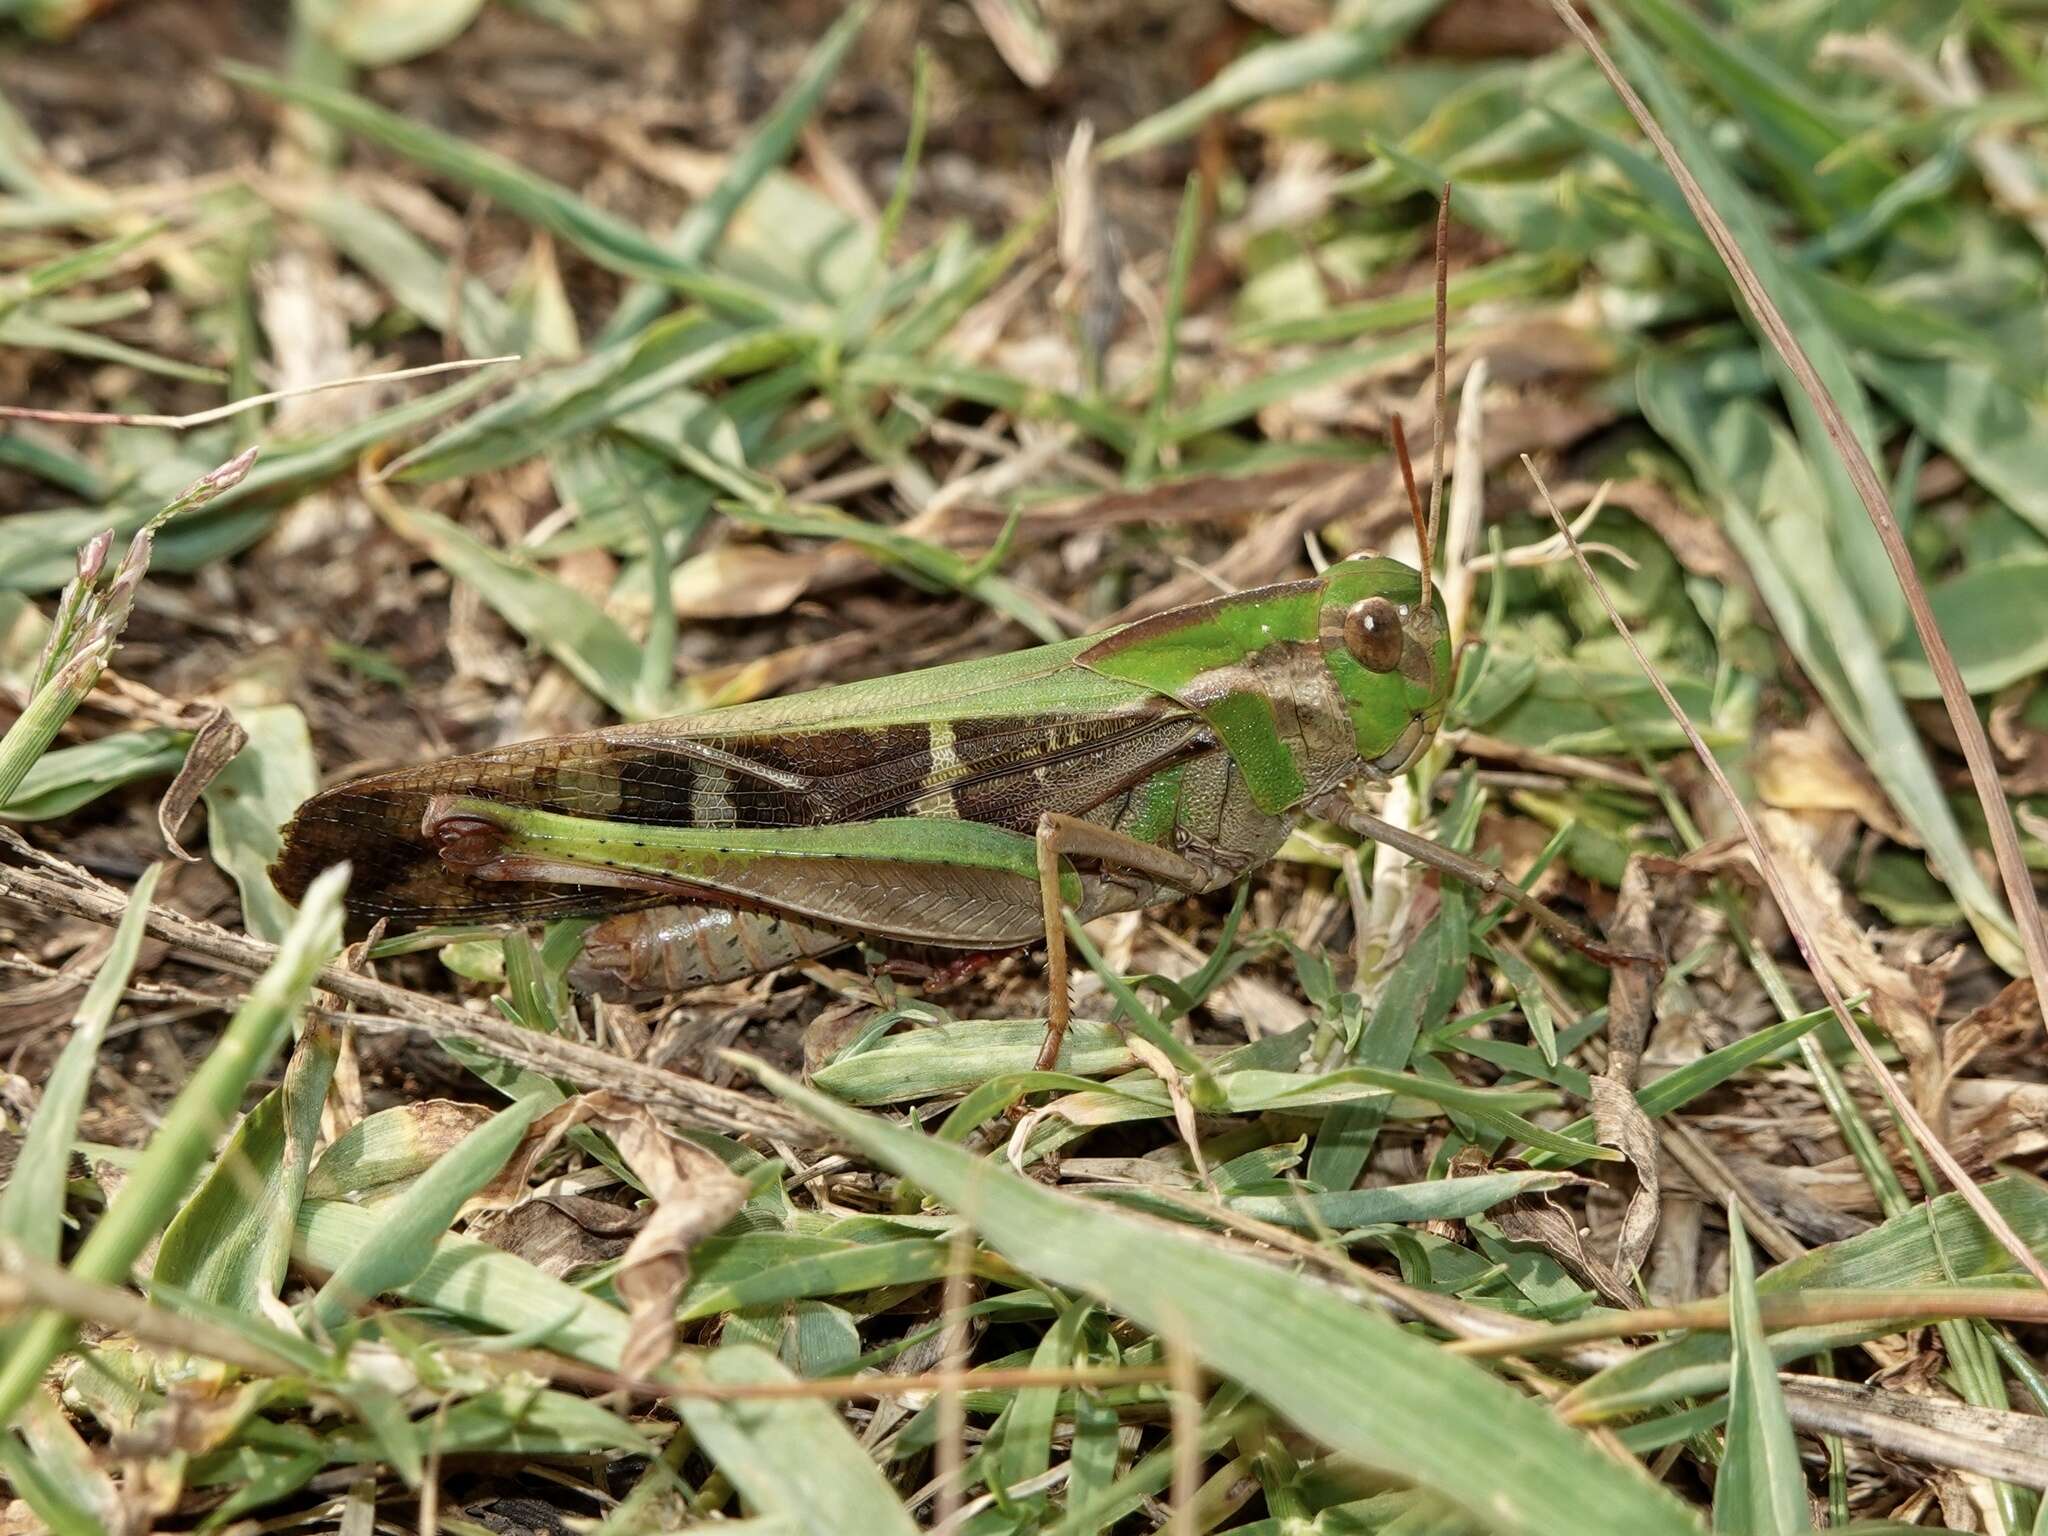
[741, 581]
[2011, 1020]
[1896, 1003]
[1540, 1220]
[561, 1234]
[1155, 1061]
[1995, 1120]
[2022, 748]
[1623, 1125]
[694, 1195]
[214, 746]
[1811, 768]
[1620, 1120]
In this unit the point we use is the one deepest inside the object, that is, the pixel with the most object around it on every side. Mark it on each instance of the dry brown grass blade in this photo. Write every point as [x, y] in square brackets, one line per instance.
[1992, 1442]
[236, 407]
[1781, 1311]
[2005, 841]
[1802, 935]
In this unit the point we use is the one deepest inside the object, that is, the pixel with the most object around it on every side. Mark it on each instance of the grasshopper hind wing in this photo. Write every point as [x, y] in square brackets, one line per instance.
[375, 824]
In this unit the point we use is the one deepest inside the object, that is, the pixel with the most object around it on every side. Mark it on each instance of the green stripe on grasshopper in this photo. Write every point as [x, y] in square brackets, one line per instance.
[676, 853]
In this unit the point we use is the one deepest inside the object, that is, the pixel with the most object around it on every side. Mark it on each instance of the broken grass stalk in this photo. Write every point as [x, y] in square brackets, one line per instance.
[90, 617]
[236, 407]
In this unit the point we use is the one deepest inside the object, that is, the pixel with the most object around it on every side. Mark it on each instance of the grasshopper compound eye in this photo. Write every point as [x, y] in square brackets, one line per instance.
[1372, 634]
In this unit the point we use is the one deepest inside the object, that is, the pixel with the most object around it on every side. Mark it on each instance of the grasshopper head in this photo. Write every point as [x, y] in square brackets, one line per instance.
[1390, 655]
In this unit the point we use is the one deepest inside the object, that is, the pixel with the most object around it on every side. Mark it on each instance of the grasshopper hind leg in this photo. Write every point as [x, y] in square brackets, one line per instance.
[635, 956]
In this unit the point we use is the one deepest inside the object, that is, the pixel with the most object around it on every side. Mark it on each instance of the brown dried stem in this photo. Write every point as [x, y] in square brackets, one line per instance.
[236, 407]
[1780, 1311]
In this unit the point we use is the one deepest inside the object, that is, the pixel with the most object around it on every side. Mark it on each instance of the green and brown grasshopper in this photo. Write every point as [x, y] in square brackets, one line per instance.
[961, 806]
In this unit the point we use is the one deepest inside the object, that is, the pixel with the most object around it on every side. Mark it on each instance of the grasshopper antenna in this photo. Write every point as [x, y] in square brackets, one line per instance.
[1414, 501]
[1438, 371]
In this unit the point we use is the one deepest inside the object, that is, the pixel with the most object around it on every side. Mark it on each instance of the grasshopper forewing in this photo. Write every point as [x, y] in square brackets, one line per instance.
[961, 806]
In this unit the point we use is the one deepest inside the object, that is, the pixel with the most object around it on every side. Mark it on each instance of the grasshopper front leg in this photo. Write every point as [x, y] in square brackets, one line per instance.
[1070, 837]
[1483, 878]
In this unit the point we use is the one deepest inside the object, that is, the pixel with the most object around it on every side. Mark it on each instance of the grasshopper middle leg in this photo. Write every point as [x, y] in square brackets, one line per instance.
[1070, 837]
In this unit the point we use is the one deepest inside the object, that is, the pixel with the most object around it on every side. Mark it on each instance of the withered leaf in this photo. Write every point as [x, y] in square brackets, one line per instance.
[214, 746]
[694, 1195]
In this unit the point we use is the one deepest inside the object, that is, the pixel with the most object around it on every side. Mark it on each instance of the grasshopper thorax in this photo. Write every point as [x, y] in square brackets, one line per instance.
[1306, 684]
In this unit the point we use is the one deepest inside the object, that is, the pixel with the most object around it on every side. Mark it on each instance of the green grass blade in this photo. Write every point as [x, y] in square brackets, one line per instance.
[1760, 1490]
[594, 648]
[471, 1281]
[230, 1242]
[1345, 1138]
[1430, 1200]
[414, 273]
[1990, 615]
[1676, 1089]
[792, 1459]
[606, 240]
[249, 801]
[1329, 53]
[577, 398]
[1904, 1253]
[60, 782]
[1763, 487]
[949, 1057]
[1138, 468]
[1998, 434]
[42, 1489]
[403, 1242]
[189, 1129]
[32, 1202]
[696, 236]
[1430, 1418]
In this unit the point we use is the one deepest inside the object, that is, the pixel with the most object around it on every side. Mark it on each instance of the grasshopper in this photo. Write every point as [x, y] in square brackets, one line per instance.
[962, 806]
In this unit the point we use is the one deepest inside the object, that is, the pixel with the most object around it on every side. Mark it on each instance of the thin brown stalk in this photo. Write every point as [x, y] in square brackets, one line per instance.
[840, 1389]
[28, 1282]
[1483, 878]
[51, 885]
[1185, 1405]
[1795, 922]
[236, 407]
[1955, 695]
[1793, 1309]
[950, 1457]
